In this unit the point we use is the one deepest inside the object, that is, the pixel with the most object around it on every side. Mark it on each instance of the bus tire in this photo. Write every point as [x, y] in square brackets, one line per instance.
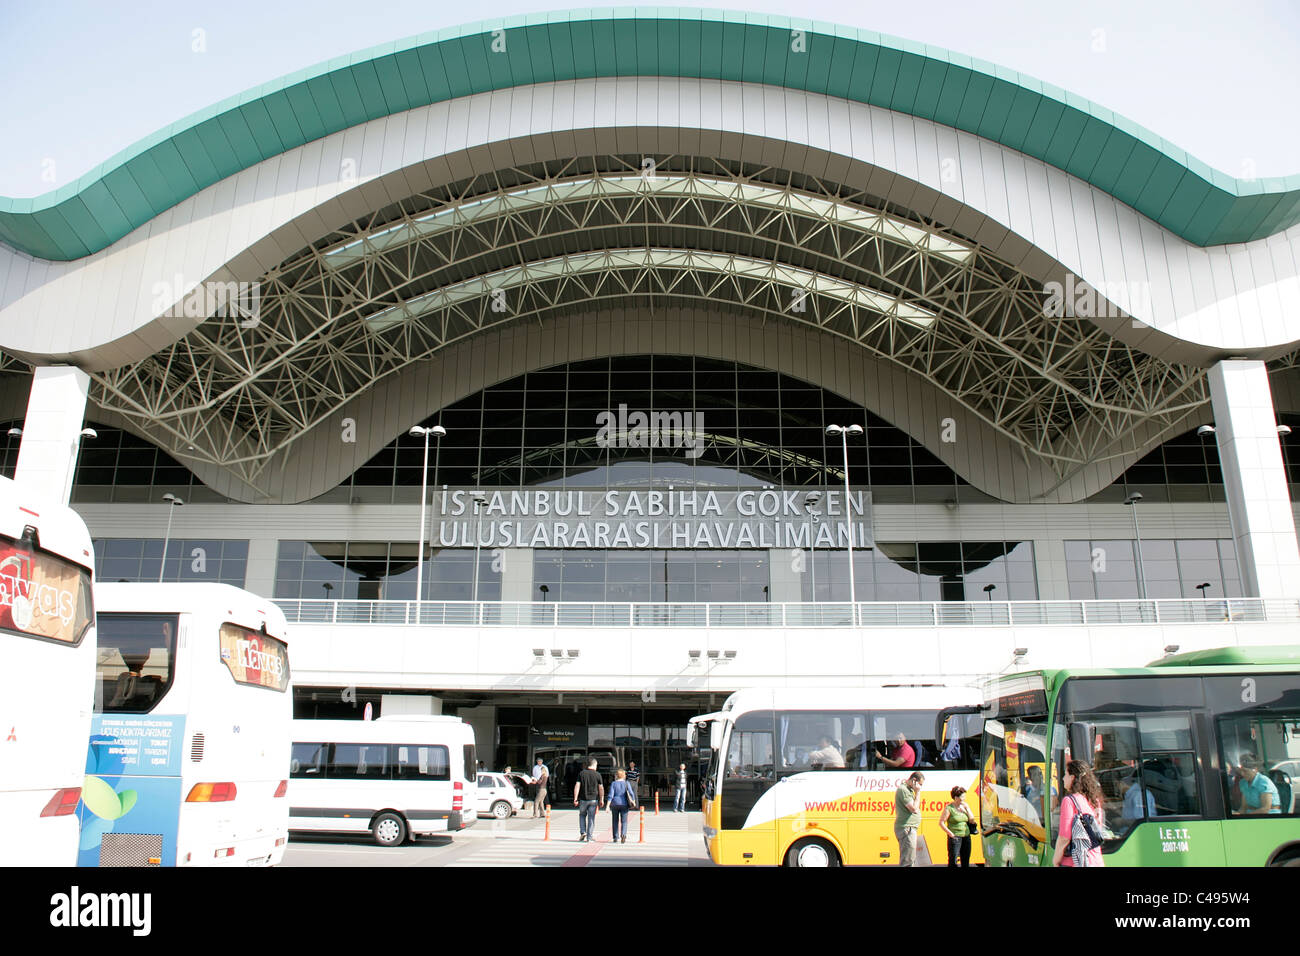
[1287, 857]
[502, 810]
[811, 851]
[389, 829]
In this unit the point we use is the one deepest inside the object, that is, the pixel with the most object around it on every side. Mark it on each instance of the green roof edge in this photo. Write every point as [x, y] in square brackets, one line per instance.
[59, 225]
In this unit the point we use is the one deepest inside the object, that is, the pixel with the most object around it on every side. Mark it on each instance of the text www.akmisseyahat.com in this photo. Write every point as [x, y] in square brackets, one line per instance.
[1203, 923]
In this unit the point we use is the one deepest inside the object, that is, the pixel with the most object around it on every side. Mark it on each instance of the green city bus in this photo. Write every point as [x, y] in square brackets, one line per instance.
[1167, 741]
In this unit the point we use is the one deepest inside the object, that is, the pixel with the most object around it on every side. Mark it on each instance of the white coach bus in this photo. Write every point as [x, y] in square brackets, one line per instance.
[47, 666]
[391, 778]
[191, 731]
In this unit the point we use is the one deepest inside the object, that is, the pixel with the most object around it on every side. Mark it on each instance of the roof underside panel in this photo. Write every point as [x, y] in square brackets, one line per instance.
[1089, 142]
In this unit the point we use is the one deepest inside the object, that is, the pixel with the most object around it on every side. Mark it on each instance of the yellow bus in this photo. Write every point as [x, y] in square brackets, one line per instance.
[803, 777]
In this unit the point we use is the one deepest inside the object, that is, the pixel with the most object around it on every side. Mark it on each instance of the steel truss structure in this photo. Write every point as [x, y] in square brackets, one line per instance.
[526, 244]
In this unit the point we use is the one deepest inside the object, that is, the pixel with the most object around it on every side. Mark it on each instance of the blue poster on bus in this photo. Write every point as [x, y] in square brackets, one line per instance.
[130, 798]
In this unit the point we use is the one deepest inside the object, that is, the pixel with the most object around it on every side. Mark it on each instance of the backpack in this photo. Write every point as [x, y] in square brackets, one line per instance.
[1085, 835]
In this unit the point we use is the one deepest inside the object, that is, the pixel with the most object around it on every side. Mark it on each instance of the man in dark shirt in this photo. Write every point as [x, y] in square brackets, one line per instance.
[634, 778]
[588, 797]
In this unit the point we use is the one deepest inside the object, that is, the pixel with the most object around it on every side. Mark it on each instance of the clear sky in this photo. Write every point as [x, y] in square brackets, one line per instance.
[83, 79]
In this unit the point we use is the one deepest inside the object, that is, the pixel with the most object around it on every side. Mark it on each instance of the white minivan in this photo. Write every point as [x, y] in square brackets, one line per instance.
[392, 778]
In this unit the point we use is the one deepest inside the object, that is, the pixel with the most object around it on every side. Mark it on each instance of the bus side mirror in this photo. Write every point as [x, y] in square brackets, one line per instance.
[1081, 741]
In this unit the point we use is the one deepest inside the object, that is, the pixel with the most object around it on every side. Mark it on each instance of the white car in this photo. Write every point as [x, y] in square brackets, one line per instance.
[497, 796]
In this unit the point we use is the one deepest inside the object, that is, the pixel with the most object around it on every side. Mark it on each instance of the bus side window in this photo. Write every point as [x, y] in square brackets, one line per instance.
[306, 760]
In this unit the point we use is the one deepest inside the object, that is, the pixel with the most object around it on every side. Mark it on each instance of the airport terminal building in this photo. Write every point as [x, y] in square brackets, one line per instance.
[600, 283]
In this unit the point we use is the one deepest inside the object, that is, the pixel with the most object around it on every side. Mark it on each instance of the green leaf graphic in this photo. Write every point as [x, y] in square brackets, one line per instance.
[128, 801]
[100, 798]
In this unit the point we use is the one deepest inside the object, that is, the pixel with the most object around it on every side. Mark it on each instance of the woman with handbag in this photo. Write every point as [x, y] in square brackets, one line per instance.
[621, 799]
[956, 822]
[1082, 802]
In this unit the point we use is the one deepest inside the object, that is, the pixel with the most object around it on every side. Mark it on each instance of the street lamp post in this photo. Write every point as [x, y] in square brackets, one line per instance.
[810, 499]
[545, 591]
[76, 454]
[843, 432]
[438, 432]
[479, 498]
[173, 503]
[988, 591]
[1132, 501]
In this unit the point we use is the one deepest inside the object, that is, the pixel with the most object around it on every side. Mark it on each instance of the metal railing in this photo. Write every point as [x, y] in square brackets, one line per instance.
[864, 614]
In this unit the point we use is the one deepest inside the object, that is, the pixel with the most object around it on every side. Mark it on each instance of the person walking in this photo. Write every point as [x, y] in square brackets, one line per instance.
[588, 797]
[956, 821]
[541, 777]
[634, 777]
[1082, 796]
[679, 802]
[907, 817]
[621, 799]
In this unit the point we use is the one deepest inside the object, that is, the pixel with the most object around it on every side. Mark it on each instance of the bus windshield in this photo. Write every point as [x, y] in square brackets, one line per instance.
[137, 654]
[43, 596]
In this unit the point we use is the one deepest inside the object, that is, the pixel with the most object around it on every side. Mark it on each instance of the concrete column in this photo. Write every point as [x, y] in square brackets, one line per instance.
[1259, 503]
[259, 575]
[400, 705]
[517, 575]
[56, 412]
[786, 583]
[1050, 569]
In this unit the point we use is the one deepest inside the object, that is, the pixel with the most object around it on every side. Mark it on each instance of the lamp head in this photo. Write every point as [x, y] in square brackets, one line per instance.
[1133, 498]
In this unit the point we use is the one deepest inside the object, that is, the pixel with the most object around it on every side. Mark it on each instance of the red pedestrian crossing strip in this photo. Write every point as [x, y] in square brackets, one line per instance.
[584, 855]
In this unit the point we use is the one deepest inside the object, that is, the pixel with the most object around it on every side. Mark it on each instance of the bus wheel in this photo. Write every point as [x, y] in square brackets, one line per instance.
[501, 810]
[1287, 858]
[812, 852]
[390, 830]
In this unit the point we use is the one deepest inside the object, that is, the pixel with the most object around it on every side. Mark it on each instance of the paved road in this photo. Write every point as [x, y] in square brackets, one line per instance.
[671, 839]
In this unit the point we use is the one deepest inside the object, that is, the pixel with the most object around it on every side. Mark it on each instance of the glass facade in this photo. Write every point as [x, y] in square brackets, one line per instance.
[925, 571]
[1108, 569]
[533, 420]
[381, 571]
[188, 559]
[758, 427]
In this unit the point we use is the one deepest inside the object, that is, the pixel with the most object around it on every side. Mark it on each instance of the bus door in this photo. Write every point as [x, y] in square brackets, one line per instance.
[746, 822]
